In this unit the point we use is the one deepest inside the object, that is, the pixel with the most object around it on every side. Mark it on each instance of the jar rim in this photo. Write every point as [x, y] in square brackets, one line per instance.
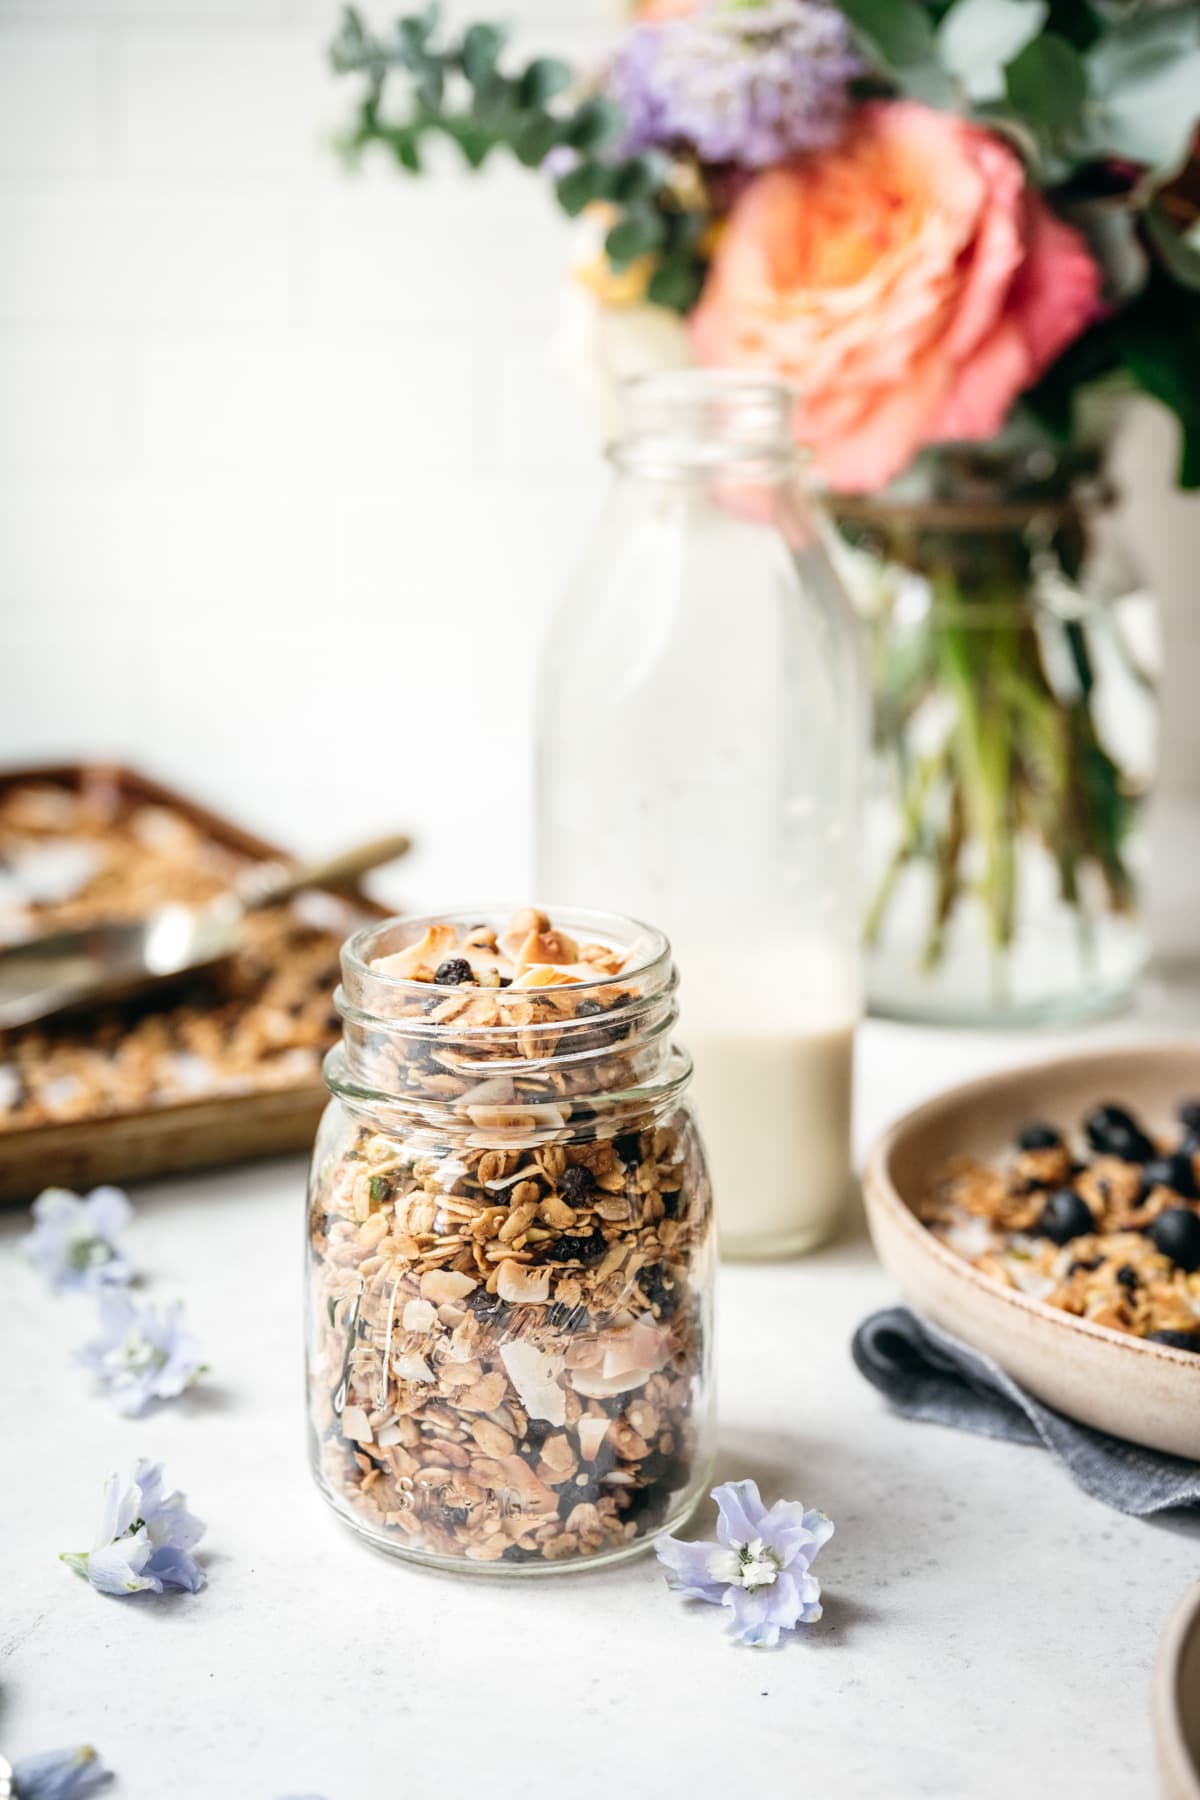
[362, 944]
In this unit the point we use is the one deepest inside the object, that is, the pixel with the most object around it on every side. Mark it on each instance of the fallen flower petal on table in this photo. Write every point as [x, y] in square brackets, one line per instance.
[144, 1538]
[74, 1240]
[58, 1774]
[758, 1567]
[143, 1353]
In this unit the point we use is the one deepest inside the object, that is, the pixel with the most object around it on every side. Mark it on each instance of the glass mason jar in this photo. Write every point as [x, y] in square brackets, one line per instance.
[1014, 660]
[701, 737]
[510, 1257]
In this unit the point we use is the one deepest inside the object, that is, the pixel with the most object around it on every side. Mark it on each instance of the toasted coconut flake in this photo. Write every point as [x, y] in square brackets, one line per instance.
[520, 1286]
[444, 1286]
[541, 976]
[591, 1434]
[356, 1425]
[419, 1315]
[601, 1387]
[427, 953]
[409, 1366]
[547, 946]
[534, 1373]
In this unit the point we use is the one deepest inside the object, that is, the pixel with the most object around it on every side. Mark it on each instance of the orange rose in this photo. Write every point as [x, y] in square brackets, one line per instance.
[909, 283]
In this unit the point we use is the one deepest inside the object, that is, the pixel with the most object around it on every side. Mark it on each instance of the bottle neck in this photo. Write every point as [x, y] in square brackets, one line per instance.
[706, 425]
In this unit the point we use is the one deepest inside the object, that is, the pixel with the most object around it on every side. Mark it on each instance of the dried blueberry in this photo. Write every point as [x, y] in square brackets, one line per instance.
[669, 1470]
[572, 1496]
[588, 1009]
[1127, 1275]
[453, 972]
[489, 1307]
[1066, 1215]
[1176, 1234]
[1111, 1131]
[521, 1553]
[1087, 1264]
[1038, 1137]
[538, 1430]
[628, 1147]
[1174, 1172]
[661, 1289]
[577, 1185]
[1188, 1115]
[1178, 1340]
[574, 1247]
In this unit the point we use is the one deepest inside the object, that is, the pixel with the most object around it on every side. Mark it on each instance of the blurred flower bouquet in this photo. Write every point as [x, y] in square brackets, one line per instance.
[947, 223]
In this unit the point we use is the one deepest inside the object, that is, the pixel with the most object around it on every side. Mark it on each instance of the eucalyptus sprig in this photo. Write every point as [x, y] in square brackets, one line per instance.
[454, 86]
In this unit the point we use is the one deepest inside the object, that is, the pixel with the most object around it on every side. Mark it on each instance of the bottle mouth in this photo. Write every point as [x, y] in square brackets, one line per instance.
[694, 420]
[507, 1059]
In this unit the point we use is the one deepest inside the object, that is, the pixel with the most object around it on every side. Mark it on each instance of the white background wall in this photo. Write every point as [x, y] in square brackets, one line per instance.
[288, 482]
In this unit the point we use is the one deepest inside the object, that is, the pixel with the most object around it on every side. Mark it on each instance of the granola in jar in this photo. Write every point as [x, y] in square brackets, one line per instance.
[510, 1245]
[1105, 1226]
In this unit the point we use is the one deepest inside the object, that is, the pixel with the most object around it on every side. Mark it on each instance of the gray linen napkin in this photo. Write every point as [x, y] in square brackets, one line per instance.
[927, 1374]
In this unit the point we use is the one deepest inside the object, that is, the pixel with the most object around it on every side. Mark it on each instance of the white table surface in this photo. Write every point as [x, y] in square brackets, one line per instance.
[989, 1630]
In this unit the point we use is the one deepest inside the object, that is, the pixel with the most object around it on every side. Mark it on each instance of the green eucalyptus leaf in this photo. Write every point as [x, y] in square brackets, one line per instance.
[1145, 81]
[534, 139]
[430, 87]
[978, 38]
[676, 285]
[542, 80]
[1047, 84]
[594, 124]
[1160, 347]
[405, 147]
[413, 34]
[579, 187]
[896, 33]
[475, 142]
[481, 47]
[641, 177]
[636, 234]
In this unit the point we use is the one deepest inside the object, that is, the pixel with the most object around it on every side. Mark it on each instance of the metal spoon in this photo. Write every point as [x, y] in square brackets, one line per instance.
[107, 961]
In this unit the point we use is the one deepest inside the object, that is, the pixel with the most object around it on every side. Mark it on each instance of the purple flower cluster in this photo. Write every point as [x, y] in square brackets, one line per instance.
[750, 82]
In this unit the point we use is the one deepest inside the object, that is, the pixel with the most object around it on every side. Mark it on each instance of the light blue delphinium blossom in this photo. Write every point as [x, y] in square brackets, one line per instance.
[143, 1538]
[74, 1240]
[758, 1568]
[58, 1774]
[143, 1353]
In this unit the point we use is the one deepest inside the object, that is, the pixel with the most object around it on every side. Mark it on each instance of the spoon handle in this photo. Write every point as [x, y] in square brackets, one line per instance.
[269, 885]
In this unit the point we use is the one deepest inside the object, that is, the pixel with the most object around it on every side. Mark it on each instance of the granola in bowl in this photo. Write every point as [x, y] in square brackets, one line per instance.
[1104, 1225]
[511, 1245]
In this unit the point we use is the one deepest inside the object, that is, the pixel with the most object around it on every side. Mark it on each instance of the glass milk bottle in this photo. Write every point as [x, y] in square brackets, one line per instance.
[701, 739]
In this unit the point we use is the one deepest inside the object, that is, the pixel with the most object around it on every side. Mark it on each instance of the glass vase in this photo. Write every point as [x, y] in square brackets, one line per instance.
[701, 737]
[1014, 660]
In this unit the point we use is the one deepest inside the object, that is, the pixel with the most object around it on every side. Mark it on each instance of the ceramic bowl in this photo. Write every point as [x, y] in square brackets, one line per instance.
[1148, 1393]
[1177, 1701]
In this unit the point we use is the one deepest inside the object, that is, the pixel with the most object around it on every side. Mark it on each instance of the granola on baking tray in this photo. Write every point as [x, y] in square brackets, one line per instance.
[511, 1248]
[263, 1021]
[1108, 1230]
